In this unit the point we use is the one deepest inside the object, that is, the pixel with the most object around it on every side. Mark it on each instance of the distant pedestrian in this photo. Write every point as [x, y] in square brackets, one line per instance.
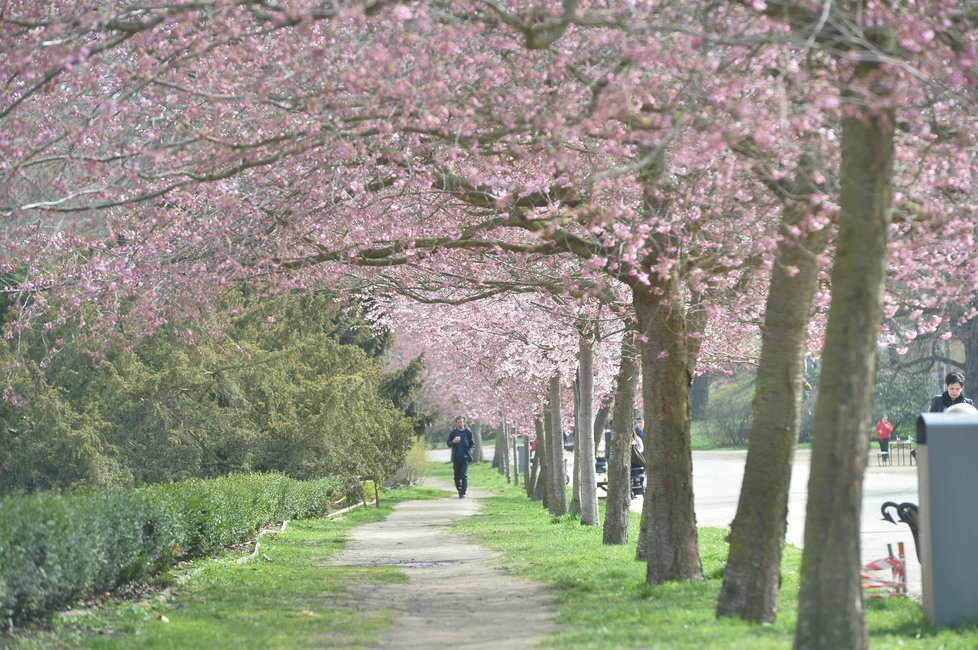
[884, 429]
[640, 427]
[462, 443]
[953, 393]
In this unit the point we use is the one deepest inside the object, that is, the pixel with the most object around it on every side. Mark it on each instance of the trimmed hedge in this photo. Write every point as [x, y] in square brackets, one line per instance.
[58, 547]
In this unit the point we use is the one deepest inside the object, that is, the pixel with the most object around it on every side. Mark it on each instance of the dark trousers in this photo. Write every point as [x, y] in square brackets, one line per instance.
[885, 445]
[461, 475]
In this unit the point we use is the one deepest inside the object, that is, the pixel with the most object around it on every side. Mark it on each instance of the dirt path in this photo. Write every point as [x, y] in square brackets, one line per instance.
[453, 598]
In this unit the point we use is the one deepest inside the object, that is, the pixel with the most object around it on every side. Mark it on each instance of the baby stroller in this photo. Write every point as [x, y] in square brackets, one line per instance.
[638, 481]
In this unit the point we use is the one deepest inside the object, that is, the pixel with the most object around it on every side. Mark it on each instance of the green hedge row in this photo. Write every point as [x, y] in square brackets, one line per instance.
[58, 547]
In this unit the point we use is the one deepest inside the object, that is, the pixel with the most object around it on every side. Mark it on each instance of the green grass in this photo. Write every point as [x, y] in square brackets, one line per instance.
[602, 598]
[296, 600]
[701, 438]
[299, 600]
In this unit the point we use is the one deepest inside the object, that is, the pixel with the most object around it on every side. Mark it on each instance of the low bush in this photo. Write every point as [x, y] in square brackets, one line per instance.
[58, 547]
[413, 469]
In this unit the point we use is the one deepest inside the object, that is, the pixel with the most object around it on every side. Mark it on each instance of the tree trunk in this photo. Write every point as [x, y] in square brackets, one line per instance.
[669, 536]
[535, 486]
[584, 446]
[575, 504]
[504, 448]
[546, 458]
[752, 578]
[830, 603]
[515, 460]
[699, 398]
[477, 434]
[968, 335]
[619, 490]
[498, 459]
[599, 419]
[555, 446]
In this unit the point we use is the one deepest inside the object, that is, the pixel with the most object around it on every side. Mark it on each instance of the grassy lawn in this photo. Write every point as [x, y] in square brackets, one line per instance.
[291, 600]
[602, 597]
[295, 599]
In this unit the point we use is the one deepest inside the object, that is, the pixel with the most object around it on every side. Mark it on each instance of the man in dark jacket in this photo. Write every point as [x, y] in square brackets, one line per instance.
[461, 441]
[953, 387]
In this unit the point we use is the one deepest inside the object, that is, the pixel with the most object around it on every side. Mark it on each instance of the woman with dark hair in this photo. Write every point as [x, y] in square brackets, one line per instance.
[953, 393]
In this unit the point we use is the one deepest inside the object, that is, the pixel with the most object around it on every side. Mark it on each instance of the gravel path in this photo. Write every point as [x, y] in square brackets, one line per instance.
[454, 598]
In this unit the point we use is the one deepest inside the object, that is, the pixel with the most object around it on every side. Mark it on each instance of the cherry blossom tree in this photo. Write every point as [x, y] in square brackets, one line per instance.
[208, 144]
[605, 148]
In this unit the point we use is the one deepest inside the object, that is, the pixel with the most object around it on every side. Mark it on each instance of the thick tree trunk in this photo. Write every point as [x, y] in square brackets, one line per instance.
[555, 446]
[751, 580]
[619, 490]
[830, 603]
[584, 446]
[669, 535]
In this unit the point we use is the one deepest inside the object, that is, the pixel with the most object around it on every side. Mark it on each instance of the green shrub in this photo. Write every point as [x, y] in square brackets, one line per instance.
[41, 560]
[56, 548]
[413, 469]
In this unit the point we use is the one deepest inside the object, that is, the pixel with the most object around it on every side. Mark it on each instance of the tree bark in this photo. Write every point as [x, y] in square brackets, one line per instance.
[535, 485]
[599, 419]
[584, 446]
[669, 536]
[830, 603]
[515, 460]
[546, 459]
[751, 580]
[555, 446]
[699, 398]
[968, 335]
[504, 448]
[575, 504]
[619, 490]
[477, 434]
[498, 460]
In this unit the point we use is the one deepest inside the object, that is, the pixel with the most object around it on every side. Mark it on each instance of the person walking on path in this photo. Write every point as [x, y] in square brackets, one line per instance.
[884, 429]
[953, 393]
[461, 441]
